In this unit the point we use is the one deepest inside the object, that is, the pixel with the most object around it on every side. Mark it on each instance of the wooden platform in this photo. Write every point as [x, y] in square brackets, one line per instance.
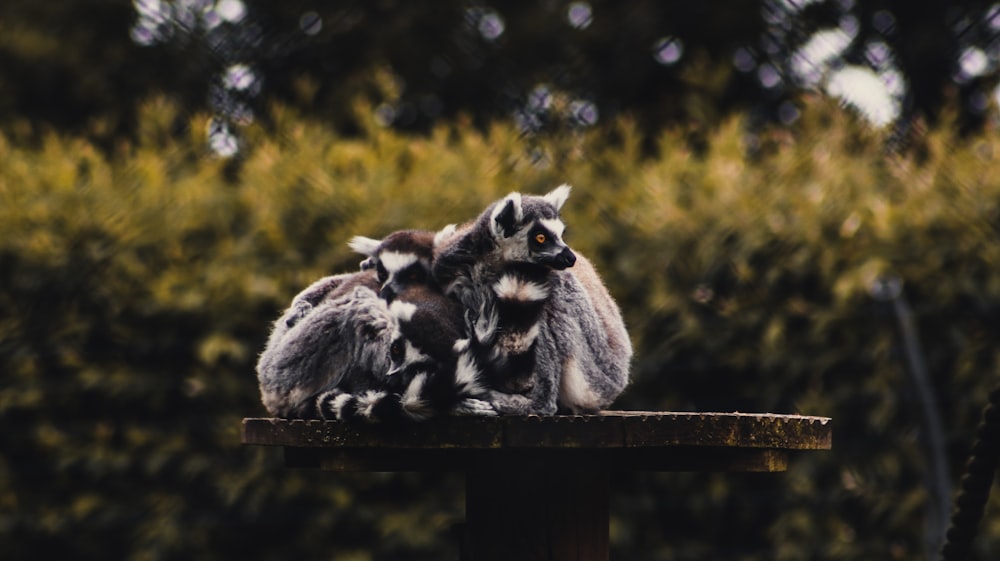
[537, 487]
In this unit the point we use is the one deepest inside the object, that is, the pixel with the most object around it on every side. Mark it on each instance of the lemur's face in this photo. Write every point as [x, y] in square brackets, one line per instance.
[406, 358]
[529, 229]
[546, 247]
[406, 353]
[401, 259]
[398, 270]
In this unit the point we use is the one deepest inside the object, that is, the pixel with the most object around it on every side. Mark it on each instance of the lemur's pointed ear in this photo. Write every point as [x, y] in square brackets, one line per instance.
[506, 216]
[363, 245]
[444, 233]
[557, 197]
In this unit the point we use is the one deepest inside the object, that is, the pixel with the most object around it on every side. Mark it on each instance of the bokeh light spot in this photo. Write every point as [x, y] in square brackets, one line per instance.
[884, 22]
[540, 98]
[583, 112]
[385, 114]
[490, 25]
[310, 23]
[580, 15]
[788, 113]
[239, 77]
[668, 50]
[232, 11]
[221, 140]
[809, 63]
[973, 63]
[768, 76]
[863, 89]
[743, 60]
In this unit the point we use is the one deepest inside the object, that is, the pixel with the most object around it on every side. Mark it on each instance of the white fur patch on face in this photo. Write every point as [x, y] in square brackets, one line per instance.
[512, 288]
[394, 261]
[402, 311]
[467, 375]
[557, 197]
[363, 245]
[413, 355]
[515, 248]
[411, 401]
[554, 225]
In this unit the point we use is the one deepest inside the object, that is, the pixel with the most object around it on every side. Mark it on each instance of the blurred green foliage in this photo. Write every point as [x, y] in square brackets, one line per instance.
[137, 287]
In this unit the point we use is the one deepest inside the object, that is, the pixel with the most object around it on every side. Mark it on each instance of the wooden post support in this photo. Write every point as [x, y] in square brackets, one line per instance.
[537, 487]
[539, 514]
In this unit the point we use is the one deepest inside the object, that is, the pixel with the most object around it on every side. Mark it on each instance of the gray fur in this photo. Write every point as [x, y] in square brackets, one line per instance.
[332, 338]
[582, 351]
[332, 355]
[431, 371]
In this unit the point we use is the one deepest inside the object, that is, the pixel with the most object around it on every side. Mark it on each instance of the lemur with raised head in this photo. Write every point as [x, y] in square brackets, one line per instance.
[578, 343]
[333, 338]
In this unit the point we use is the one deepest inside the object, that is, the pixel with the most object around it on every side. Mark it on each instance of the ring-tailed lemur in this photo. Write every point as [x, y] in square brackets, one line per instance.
[402, 262]
[341, 352]
[333, 338]
[403, 259]
[581, 350]
[504, 329]
[400, 259]
[433, 369]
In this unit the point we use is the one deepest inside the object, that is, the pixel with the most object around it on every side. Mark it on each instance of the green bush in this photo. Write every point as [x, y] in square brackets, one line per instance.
[137, 288]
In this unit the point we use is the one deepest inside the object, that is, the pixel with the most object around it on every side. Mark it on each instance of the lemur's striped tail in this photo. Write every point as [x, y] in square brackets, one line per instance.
[427, 395]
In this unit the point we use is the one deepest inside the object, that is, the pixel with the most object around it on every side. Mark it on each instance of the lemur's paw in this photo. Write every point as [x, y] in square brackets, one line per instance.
[471, 406]
[517, 404]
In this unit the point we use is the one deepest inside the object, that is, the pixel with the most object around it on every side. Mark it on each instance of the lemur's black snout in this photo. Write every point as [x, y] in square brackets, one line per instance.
[565, 259]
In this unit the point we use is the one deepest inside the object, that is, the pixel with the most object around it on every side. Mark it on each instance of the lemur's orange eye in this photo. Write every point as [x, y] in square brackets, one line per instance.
[540, 238]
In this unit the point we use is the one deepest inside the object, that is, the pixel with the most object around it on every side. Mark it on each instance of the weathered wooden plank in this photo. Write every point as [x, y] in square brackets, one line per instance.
[471, 432]
[672, 459]
[605, 431]
[744, 430]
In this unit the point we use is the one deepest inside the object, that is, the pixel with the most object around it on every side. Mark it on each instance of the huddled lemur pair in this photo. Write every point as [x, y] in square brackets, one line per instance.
[496, 316]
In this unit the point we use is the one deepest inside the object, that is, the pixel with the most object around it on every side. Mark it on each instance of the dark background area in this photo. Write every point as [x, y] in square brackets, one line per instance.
[84, 65]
